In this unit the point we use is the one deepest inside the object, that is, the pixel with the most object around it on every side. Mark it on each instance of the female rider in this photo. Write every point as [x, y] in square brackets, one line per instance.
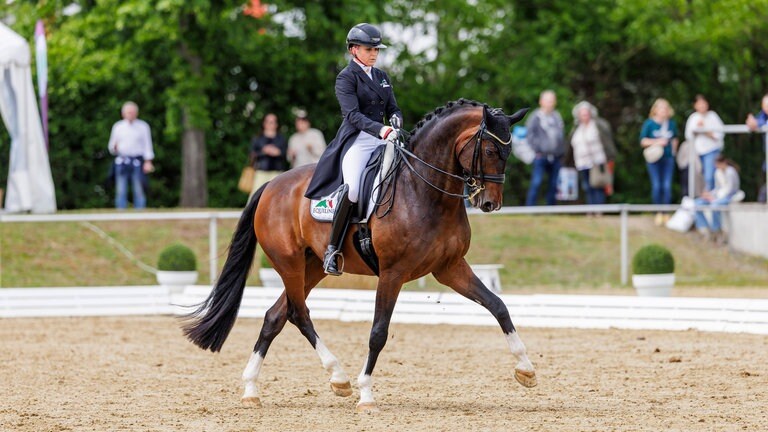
[366, 99]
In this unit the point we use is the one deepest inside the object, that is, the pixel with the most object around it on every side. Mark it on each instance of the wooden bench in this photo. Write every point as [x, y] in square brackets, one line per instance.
[489, 275]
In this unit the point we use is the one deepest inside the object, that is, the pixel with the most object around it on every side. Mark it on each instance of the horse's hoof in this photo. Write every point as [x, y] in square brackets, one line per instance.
[251, 402]
[342, 389]
[367, 407]
[526, 378]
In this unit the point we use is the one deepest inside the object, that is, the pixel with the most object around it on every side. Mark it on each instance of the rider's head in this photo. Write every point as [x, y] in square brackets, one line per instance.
[364, 43]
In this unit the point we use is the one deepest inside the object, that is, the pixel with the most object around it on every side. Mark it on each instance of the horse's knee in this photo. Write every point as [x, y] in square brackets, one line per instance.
[378, 338]
[499, 310]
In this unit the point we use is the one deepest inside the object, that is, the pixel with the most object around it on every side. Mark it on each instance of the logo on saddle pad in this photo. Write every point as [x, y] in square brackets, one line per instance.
[323, 209]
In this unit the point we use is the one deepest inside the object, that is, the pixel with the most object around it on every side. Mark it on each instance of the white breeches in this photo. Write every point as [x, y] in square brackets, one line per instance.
[354, 162]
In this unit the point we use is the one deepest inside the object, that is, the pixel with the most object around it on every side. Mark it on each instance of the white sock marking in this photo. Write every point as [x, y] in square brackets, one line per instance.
[250, 374]
[331, 363]
[365, 384]
[518, 350]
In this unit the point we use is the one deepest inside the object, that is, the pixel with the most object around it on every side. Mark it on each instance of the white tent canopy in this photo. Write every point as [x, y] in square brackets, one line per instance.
[30, 185]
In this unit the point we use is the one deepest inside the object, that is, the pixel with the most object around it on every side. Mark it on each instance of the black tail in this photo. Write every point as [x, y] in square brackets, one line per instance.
[209, 325]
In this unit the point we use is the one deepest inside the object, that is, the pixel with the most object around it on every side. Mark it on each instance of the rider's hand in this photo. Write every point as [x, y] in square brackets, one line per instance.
[395, 121]
[388, 134]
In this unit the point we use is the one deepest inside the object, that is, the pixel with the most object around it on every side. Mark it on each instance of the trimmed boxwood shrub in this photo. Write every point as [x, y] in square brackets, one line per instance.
[653, 259]
[177, 257]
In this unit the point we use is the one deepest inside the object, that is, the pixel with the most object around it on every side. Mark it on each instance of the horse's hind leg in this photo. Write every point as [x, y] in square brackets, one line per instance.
[274, 321]
[461, 278]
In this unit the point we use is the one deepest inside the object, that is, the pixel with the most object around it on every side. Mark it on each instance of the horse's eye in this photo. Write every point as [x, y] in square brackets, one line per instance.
[489, 152]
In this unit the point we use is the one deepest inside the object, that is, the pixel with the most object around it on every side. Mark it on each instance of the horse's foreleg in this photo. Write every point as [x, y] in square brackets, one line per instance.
[274, 321]
[461, 278]
[386, 297]
[339, 380]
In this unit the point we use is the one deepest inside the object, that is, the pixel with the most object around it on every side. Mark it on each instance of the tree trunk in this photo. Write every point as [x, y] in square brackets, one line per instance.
[194, 178]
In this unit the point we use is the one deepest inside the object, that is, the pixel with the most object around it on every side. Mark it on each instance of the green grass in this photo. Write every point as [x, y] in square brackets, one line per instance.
[539, 253]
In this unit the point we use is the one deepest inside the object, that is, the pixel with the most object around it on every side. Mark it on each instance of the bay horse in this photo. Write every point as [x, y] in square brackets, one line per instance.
[426, 231]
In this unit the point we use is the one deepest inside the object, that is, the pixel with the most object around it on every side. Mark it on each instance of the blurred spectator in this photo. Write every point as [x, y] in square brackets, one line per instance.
[726, 186]
[658, 137]
[591, 150]
[268, 152]
[307, 144]
[707, 144]
[756, 122]
[131, 143]
[762, 193]
[545, 133]
[683, 159]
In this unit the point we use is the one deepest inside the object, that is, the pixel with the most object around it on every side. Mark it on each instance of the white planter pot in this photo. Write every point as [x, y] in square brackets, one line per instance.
[654, 285]
[270, 278]
[176, 280]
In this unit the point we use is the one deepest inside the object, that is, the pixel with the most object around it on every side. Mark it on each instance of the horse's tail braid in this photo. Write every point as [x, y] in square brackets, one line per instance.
[209, 325]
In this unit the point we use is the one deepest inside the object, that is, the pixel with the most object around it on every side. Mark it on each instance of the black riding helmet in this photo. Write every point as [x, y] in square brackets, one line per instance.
[365, 34]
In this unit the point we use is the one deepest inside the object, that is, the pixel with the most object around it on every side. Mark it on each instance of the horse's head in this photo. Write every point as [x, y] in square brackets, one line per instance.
[483, 157]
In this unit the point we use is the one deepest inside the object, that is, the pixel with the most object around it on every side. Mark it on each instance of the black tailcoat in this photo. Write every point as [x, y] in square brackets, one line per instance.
[365, 104]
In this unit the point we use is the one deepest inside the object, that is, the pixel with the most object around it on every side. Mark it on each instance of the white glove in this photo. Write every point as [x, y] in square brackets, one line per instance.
[388, 134]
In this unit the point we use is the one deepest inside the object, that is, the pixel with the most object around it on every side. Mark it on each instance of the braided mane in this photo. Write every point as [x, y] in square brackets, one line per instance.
[441, 112]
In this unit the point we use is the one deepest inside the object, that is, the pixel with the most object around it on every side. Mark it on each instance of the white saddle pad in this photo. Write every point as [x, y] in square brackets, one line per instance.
[324, 209]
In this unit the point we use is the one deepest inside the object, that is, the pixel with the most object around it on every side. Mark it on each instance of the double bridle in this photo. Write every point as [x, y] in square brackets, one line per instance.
[475, 178]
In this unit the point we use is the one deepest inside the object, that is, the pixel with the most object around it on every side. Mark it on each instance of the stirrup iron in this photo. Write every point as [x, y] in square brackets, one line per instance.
[331, 265]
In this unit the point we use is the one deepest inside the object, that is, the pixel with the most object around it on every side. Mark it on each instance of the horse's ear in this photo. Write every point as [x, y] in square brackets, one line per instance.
[516, 117]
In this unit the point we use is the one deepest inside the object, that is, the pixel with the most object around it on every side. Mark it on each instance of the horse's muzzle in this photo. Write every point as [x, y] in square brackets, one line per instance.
[489, 206]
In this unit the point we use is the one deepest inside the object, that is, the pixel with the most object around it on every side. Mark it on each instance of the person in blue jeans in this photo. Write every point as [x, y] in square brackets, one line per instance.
[726, 186]
[131, 143]
[709, 144]
[757, 122]
[545, 130]
[660, 130]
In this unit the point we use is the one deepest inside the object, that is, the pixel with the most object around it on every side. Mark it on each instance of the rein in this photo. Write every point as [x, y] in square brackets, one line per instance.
[474, 181]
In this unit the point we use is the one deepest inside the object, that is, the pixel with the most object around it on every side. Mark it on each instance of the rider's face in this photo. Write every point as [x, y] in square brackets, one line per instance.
[366, 55]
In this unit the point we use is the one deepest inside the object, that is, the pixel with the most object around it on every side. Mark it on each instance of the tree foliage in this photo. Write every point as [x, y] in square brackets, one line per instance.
[205, 67]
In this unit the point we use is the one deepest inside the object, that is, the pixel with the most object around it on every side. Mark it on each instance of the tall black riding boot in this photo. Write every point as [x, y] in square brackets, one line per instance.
[338, 232]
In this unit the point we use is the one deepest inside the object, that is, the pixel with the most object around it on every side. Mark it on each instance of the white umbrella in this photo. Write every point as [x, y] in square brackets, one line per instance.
[30, 184]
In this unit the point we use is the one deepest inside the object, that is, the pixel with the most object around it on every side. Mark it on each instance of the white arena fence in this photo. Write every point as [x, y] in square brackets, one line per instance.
[554, 311]
[214, 216]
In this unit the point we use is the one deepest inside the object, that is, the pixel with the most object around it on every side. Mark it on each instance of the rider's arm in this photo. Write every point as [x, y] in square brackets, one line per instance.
[346, 93]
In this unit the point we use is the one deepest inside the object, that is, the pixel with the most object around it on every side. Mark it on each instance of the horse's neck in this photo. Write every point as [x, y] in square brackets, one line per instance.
[437, 149]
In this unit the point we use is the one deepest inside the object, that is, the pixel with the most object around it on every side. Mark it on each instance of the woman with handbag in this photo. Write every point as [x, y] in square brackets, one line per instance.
[658, 138]
[268, 153]
[590, 149]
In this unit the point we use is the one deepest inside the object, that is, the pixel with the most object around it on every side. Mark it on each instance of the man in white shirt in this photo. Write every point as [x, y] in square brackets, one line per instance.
[131, 143]
[307, 144]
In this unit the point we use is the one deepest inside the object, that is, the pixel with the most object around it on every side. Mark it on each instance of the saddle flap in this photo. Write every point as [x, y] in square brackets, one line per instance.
[377, 169]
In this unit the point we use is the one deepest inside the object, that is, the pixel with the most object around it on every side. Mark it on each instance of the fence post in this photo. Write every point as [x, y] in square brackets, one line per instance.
[691, 170]
[212, 241]
[624, 245]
